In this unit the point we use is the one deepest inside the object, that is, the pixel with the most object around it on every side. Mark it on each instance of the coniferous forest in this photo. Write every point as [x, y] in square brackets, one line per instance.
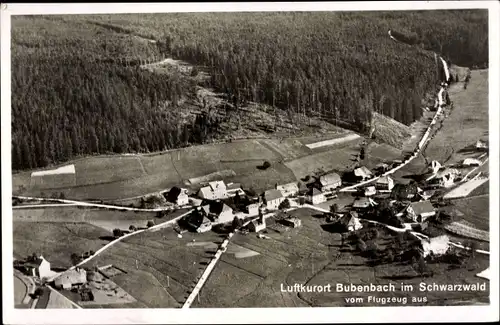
[77, 88]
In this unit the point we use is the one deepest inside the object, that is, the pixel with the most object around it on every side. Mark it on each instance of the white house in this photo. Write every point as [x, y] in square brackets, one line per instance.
[215, 190]
[420, 211]
[178, 196]
[70, 278]
[38, 267]
[370, 190]
[206, 225]
[273, 199]
[363, 172]
[315, 196]
[385, 183]
[351, 221]
[289, 189]
[219, 212]
[330, 181]
[257, 225]
[253, 209]
[437, 245]
[471, 162]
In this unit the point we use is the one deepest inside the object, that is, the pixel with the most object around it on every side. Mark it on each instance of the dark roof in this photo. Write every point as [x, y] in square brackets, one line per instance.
[313, 191]
[270, 195]
[422, 207]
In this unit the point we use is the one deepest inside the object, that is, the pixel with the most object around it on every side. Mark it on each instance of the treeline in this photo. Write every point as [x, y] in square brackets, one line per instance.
[77, 87]
[67, 103]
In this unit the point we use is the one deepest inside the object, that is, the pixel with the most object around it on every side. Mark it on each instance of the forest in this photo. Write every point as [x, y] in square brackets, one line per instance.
[77, 88]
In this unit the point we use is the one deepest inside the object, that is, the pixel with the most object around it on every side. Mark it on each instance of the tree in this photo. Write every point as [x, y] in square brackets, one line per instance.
[132, 228]
[62, 196]
[150, 223]
[284, 205]
[266, 164]
[237, 223]
[334, 208]
[117, 232]
[75, 259]
[361, 245]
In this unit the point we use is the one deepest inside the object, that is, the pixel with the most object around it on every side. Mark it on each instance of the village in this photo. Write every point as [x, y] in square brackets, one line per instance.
[406, 207]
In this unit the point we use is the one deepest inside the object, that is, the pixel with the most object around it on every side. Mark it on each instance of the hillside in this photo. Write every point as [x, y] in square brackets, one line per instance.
[80, 77]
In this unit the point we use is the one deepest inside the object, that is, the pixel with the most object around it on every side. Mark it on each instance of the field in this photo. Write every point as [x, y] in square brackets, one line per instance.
[475, 210]
[467, 122]
[58, 301]
[310, 255]
[20, 291]
[105, 219]
[56, 241]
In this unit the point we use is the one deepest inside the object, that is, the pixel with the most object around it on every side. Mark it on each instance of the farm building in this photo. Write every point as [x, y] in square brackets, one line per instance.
[215, 190]
[289, 189]
[385, 183]
[273, 199]
[292, 222]
[71, 278]
[420, 211]
[382, 167]
[330, 181]
[363, 172]
[178, 196]
[315, 196]
[370, 190]
[198, 220]
[37, 266]
[363, 203]
[253, 209]
[471, 162]
[435, 246]
[234, 188]
[257, 225]
[481, 144]
[350, 221]
[219, 212]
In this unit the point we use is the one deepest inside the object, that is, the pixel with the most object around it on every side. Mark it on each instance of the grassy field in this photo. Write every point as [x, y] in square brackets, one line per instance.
[56, 241]
[311, 256]
[105, 219]
[475, 210]
[20, 291]
[467, 122]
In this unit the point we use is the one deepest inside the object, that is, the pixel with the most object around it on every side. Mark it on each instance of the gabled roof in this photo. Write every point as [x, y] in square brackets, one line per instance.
[384, 180]
[36, 262]
[206, 191]
[72, 277]
[216, 207]
[313, 191]
[289, 187]
[362, 172]
[362, 202]
[270, 195]
[216, 185]
[328, 179]
[348, 218]
[233, 186]
[422, 207]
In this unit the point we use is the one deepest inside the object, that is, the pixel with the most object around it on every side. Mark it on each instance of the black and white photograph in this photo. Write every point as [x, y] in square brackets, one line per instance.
[212, 159]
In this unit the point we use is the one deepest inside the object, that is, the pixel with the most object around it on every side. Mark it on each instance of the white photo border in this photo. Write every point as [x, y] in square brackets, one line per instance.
[247, 315]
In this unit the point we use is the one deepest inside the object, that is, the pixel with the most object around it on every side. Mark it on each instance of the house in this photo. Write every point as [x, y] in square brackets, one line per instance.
[363, 203]
[178, 196]
[435, 246]
[435, 166]
[370, 190]
[215, 190]
[257, 225]
[273, 199]
[420, 211]
[292, 222]
[385, 183]
[71, 278]
[38, 267]
[198, 220]
[382, 167]
[234, 188]
[363, 172]
[350, 221]
[315, 196]
[253, 209]
[481, 144]
[471, 162]
[218, 212]
[290, 189]
[330, 181]
[205, 225]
